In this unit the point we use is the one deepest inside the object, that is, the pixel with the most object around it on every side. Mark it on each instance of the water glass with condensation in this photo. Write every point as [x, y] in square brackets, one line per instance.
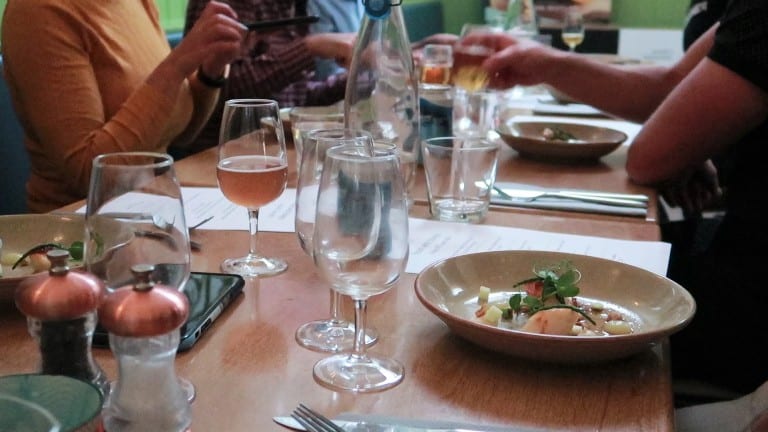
[460, 172]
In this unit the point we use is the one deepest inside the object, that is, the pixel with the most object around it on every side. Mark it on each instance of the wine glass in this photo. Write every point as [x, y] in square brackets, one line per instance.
[573, 28]
[135, 215]
[360, 246]
[252, 171]
[333, 334]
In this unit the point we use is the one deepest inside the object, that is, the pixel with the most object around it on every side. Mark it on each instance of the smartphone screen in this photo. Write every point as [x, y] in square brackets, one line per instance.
[208, 294]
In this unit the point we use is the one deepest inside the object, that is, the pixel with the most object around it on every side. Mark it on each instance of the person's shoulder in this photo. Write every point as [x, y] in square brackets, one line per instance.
[26, 11]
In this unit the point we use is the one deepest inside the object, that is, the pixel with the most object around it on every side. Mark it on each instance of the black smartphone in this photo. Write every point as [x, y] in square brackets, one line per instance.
[282, 22]
[208, 294]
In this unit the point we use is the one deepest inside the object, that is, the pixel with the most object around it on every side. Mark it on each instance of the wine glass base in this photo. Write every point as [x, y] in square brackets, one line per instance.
[331, 335]
[254, 266]
[347, 372]
[188, 388]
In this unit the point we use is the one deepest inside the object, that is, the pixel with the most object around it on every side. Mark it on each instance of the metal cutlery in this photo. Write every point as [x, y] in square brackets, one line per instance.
[313, 421]
[622, 200]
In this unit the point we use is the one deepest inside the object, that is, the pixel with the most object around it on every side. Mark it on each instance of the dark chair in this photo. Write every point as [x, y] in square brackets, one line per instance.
[14, 161]
[423, 19]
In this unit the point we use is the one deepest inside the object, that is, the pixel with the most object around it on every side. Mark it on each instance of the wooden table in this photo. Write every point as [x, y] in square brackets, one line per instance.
[248, 368]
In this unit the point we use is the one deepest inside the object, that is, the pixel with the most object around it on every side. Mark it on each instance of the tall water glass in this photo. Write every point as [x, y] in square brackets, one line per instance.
[252, 171]
[333, 334]
[135, 215]
[361, 247]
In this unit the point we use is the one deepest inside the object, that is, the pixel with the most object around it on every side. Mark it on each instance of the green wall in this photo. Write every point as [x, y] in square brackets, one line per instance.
[626, 13]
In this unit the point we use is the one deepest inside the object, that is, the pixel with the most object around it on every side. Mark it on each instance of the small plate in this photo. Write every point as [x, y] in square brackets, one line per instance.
[20, 233]
[657, 306]
[590, 143]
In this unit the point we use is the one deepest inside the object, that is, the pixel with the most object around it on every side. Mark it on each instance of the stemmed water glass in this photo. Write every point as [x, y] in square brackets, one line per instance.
[573, 28]
[252, 171]
[135, 215]
[360, 246]
[333, 334]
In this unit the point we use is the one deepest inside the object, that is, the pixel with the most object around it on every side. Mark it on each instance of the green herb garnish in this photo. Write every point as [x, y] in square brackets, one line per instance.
[75, 251]
[556, 282]
[554, 133]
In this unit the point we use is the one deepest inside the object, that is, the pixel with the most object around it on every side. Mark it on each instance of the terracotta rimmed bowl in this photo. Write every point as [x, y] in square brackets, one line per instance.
[657, 306]
[590, 142]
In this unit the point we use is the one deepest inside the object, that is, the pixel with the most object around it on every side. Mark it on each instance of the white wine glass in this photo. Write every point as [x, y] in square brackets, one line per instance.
[252, 171]
[573, 28]
[360, 246]
[135, 215]
[333, 334]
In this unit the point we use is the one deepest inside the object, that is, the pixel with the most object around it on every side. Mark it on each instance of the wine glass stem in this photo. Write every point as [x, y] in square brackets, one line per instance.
[253, 227]
[336, 315]
[361, 306]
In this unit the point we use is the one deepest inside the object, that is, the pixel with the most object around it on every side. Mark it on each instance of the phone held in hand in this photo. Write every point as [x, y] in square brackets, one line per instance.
[208, 294]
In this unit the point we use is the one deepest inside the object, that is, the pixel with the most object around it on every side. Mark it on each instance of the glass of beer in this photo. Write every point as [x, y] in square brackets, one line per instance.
[437, 61]
[469, 53]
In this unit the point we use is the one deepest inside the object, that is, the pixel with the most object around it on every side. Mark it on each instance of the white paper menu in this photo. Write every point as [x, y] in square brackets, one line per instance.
[432, 241]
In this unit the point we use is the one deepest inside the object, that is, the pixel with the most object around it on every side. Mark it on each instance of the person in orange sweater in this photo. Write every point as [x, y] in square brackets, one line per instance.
[89, 77]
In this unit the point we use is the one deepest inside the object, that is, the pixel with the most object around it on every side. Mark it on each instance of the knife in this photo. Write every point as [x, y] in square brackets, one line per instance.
[592, 197]
[381, 425]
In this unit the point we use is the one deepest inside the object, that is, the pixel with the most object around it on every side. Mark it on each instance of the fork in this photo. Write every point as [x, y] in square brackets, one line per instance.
[314, 421]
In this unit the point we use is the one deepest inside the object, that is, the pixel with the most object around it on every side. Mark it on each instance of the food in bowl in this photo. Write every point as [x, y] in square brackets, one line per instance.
[549, 304]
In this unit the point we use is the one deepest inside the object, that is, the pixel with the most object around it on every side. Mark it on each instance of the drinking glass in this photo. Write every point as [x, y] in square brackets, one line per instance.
[469, 53]
[333, 334]
[436, 63]
[252, 172]
[573, 28]
[137, 193]
[308, 118]
[360, 246]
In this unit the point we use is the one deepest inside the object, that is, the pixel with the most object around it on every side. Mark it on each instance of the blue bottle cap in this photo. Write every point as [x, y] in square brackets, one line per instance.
[379, 9]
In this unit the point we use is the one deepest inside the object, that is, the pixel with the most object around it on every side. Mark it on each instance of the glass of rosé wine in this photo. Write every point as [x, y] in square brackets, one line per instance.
[252, 171]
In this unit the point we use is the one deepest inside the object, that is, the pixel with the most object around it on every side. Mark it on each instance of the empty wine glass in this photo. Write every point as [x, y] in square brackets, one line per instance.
[252, 171]
[573, 28]
[333, 334]
[360, 246]
[135, 215]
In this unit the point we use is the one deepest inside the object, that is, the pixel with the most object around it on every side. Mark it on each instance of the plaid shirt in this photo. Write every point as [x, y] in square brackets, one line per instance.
[278, 66]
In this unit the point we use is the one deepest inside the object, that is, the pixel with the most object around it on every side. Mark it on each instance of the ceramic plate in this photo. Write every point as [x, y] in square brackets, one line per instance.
[20, 233]
[589, 144]
[656, 306]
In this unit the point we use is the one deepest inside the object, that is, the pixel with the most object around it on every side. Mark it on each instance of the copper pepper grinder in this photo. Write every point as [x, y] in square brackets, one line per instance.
[61, 315]
[143, 321]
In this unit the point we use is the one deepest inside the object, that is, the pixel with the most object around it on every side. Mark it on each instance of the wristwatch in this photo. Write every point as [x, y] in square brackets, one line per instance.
[212, 82]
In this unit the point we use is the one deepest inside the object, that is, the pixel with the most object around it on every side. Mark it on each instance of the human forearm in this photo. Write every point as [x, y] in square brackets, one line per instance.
[628, 92]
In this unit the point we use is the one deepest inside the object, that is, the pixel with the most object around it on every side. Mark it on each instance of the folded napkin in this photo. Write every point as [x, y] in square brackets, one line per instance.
[563, 204]
[401, 424]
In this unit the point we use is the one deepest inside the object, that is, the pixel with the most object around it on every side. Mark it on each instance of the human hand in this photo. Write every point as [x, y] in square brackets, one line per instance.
[213, 42]
[435, 39]
[695, 190]
[337, 46]
[518, 61]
